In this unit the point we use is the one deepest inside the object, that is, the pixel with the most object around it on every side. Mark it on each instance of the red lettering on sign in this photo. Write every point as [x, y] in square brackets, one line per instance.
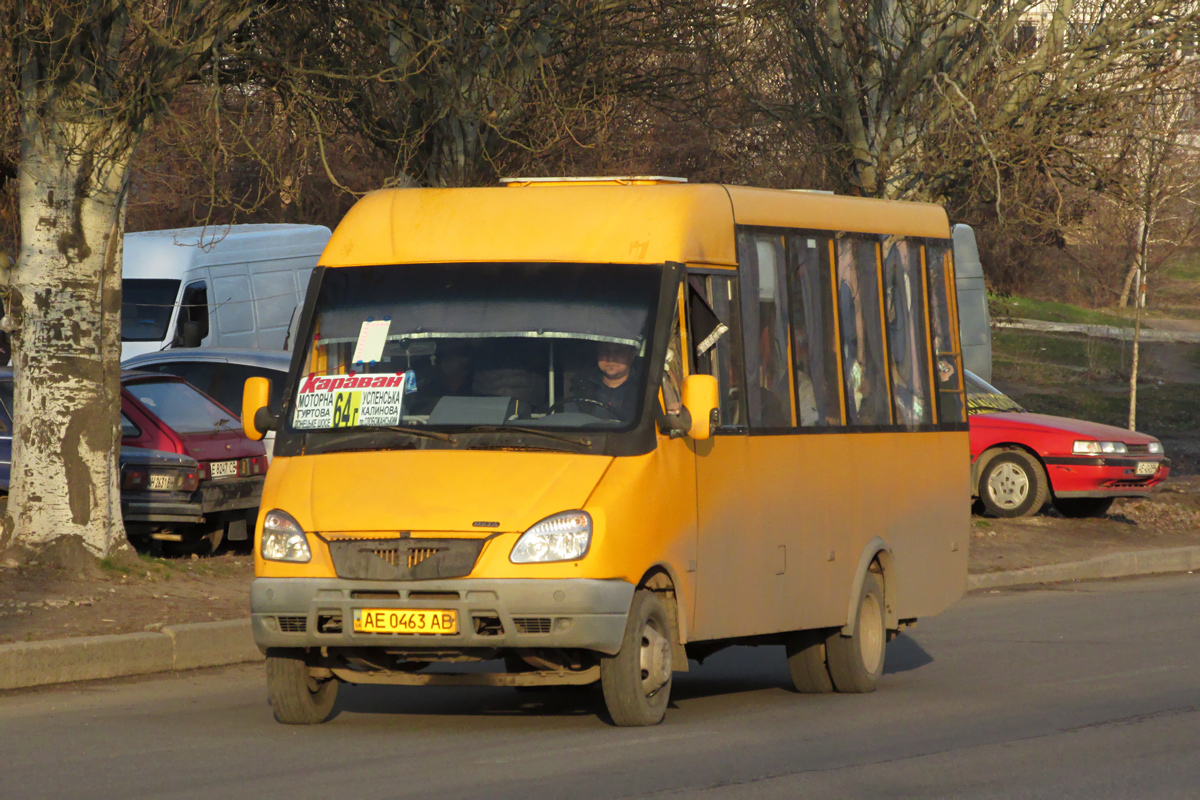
[309, 383]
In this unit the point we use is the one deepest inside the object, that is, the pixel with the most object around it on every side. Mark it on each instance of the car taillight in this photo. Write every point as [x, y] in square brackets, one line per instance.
[204, 472]
[134, 478]
[189, 480]
[253, 466]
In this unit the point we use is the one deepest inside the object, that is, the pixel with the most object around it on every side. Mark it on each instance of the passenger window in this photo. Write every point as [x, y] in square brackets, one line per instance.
[718, 352]
[128, 429]
[193, 309]
[764, 317]
[951, 407]
[863, 370]
[904, 304]
[814, 335]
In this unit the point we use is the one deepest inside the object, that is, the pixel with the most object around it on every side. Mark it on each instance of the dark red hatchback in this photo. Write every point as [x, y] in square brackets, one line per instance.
[162, 412]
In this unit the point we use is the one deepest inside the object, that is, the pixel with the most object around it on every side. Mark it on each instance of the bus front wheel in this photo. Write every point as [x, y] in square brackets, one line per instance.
[297, 698]
[856, 662]
[637, 680]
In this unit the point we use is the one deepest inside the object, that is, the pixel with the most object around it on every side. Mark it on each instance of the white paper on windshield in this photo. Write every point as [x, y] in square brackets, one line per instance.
[371, 338]
[347, 401]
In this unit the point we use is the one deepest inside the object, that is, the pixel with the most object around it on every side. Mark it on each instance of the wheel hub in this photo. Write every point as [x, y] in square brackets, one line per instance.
[655, 660]
[1008, 486]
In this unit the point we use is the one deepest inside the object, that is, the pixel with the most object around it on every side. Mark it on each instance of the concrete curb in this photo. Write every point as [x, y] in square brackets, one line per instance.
[214, 644]
[1117, 565]
[85, 658]
[1107, 331]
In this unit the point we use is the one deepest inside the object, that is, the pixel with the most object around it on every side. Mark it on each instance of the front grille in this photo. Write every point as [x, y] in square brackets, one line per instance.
[1138, 449]
[1128, 484]
[532, 624]
[293, 624]
[404, 559]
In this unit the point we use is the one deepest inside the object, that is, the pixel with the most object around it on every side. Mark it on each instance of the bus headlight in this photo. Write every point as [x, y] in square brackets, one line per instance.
[561, 537]
[283, 539]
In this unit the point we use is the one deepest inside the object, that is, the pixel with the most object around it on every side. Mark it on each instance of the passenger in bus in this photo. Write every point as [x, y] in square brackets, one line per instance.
[610, 391]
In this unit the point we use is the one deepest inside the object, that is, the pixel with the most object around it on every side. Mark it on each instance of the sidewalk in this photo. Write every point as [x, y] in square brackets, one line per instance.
[1147, 334]
[212, 644]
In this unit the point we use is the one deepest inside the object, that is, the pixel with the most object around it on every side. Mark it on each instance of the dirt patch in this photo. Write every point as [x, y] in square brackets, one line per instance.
[44, 600]
[1168, 518]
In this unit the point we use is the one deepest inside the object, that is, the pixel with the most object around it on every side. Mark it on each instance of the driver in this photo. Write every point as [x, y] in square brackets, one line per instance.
[610, 386]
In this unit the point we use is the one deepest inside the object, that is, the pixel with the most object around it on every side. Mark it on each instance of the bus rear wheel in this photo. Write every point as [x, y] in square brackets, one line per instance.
[637, 680]
[856, 662]
[806, 662]
[297, 698]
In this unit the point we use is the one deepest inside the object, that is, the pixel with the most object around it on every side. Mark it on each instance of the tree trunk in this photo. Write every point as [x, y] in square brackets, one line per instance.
[1138, 302]
[65, 315]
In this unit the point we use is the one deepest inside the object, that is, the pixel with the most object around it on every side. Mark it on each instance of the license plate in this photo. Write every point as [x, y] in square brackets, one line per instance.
[1146, 468]
[162, 482]
[223, 469]
[394, 620]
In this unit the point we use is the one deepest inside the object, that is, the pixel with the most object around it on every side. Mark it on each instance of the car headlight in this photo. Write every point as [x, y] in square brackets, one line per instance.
[1155, 447]
[1090, 447]
[283, 539]
[561, 537]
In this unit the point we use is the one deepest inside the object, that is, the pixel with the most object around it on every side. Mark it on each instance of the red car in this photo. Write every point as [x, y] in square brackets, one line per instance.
[163, 412]
[1020, 460]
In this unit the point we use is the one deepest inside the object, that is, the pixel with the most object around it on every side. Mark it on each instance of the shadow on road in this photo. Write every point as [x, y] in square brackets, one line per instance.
[736, 671]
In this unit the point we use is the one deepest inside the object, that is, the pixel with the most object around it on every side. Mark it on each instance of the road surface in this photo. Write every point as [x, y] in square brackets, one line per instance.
[1083, 691]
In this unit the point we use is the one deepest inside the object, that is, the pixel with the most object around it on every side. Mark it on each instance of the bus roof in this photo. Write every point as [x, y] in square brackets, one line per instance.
[650, 224]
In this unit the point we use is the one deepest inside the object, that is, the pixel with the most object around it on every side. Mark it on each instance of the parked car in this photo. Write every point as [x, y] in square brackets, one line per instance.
[158, 489]
[1019, 460]
[165, 412]
[221, 372]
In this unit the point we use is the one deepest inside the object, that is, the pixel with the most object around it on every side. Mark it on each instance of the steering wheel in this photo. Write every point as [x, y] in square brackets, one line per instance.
[561, 404]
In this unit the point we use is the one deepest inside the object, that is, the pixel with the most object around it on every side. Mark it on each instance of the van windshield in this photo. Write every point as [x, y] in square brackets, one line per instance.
[146, 307]
[478, 346]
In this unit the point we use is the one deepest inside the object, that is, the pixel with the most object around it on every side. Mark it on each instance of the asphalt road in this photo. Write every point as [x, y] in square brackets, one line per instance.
[1087, 691]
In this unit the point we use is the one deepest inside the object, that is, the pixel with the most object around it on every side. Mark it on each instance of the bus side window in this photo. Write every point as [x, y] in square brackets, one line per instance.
[951, 407]
[719, 351]
[904, 305]
[867, 401]
[765, 319]
[814, 332]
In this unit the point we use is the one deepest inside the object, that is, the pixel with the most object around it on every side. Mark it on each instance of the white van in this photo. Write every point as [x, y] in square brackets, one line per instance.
[974, 321]
[231, 286]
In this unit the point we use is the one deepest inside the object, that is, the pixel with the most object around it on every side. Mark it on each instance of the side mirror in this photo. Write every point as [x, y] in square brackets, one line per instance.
[257, 418]
[700, 397]
[190, 334]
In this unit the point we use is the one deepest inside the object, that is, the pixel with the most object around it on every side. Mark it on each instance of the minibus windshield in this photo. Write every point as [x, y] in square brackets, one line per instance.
[478, 346]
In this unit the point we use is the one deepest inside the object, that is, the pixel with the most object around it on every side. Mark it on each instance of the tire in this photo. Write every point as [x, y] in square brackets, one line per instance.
[856, 662]
[637, 680]
[806, 662]
[296, 697]
[1076, 507]
[1013, 484]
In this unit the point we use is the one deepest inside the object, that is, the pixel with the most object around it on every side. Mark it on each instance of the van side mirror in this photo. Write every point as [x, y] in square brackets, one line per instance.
[190, 334]
[257, 418]
[701, 398]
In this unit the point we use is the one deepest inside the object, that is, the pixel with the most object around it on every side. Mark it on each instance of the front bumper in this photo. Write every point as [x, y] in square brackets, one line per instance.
[1108, 476]
[568, 613]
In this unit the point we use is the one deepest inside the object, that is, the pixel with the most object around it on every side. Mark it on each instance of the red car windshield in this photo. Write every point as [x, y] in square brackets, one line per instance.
[181, 407]
[982, 397]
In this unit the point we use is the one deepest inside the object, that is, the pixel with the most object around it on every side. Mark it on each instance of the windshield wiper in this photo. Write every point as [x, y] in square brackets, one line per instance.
[583, 440]
[445, 437]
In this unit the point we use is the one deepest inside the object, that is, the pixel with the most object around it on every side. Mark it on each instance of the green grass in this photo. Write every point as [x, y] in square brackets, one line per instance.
[110, 565]
[1161, 410]
[1017, 307]
[1036, 358]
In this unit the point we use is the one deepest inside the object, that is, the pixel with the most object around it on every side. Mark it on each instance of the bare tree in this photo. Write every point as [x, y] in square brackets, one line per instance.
[915, 99]
[89, 77]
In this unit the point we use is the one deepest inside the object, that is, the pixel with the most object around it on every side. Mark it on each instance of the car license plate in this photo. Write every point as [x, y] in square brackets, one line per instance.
[1146, 468]
[399, 620]
[160, 483]
[223, 469]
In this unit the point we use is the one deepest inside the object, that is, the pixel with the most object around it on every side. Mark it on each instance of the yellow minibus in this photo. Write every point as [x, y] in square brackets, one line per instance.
[592, 429]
